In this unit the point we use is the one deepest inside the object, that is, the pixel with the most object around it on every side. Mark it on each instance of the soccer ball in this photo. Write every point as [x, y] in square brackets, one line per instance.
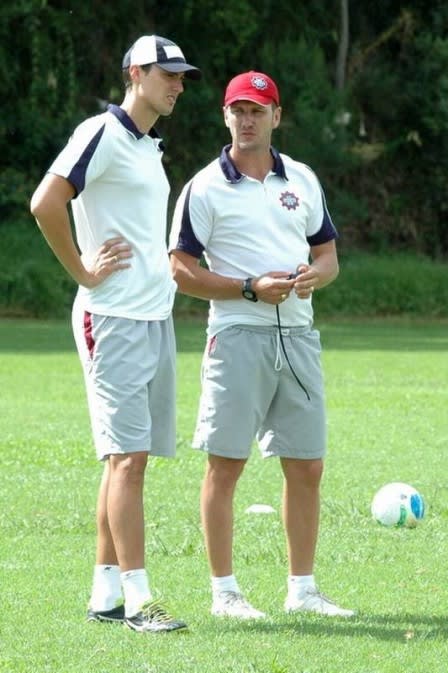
[398, 504]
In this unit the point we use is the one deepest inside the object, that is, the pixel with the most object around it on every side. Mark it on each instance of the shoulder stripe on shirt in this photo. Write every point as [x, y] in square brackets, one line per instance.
[327, 232]
[77, 175]
[187, 241]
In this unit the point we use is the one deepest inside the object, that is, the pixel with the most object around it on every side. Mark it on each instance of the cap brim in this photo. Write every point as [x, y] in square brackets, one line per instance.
[190, 71]
[249, 99]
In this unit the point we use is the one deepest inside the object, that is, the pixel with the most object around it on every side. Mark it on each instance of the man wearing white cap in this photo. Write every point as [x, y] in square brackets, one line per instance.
[261, 222]
[111, 172]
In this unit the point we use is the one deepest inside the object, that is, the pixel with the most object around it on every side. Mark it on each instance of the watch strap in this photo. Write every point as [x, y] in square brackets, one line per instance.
[247, 290]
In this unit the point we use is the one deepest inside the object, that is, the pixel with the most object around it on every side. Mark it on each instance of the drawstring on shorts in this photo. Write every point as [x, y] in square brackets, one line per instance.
[278, 355]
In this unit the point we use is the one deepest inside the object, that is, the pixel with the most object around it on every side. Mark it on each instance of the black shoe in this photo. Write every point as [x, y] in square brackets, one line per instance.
[153, 617]
[114, 615]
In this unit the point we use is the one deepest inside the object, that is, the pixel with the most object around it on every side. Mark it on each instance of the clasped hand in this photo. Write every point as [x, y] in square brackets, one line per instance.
[275, 287]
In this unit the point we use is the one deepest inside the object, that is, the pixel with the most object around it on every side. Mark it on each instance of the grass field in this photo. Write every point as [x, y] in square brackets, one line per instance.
[387, 390]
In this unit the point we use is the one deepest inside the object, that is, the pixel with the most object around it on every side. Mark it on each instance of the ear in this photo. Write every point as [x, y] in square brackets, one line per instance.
[225, 113]
[134, 73]
[276, 117]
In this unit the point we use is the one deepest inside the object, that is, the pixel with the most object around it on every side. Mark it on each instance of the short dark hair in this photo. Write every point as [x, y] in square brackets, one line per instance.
[127, 78]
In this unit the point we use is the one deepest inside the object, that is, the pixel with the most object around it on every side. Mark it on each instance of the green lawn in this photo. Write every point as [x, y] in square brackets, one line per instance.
[387, 390]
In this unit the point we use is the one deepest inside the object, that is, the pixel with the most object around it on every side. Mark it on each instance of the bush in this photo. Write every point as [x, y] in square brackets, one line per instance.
[32, 282]
[397, 284]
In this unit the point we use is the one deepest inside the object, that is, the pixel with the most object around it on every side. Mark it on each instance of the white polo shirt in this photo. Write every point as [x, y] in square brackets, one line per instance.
[246, 228]
[121, 190]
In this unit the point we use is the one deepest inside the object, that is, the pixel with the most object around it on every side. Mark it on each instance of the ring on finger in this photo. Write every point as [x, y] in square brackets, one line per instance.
[283, 297]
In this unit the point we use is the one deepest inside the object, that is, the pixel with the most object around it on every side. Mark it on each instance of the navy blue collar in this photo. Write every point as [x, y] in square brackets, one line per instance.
[233, 175]
[129, 125]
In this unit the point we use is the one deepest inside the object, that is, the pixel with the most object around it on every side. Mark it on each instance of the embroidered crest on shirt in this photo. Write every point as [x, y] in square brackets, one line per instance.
[289, 200]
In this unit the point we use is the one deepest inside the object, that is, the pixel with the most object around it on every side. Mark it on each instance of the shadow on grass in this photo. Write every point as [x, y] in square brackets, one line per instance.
[403, 627]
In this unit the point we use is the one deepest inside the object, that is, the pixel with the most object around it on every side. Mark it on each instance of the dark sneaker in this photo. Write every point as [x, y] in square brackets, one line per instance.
[153, 618]
[114, 615]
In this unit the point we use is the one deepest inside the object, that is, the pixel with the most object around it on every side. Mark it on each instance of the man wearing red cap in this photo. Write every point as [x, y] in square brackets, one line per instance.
[261, 222]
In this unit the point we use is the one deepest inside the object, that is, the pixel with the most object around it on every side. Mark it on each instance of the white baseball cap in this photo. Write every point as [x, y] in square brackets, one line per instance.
[167, 55]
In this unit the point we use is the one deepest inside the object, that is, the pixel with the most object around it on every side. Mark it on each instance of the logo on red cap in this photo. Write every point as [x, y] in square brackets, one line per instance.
[259, 82]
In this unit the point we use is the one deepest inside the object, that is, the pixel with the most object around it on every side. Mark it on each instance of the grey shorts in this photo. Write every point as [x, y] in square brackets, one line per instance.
[249, 390]
[130, 375]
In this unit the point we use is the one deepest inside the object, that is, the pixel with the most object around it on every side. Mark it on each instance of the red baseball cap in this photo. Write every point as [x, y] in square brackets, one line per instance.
[252, 86]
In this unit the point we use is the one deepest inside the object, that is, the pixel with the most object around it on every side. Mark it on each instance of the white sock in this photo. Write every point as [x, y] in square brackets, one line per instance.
[106, 588]
[298, 584]
[136, 590]
[227, 583]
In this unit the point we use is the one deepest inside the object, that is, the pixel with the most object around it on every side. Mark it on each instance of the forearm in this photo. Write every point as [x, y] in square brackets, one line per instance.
[202, 283]
[56, 229]
[49, 205]
[325, 264]
[197, 281]
[327, 270]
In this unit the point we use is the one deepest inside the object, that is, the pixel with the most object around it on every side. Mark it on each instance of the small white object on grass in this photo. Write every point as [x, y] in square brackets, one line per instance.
[260, 509]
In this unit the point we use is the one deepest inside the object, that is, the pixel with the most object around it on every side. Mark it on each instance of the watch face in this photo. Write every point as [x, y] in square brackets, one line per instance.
[247, 291]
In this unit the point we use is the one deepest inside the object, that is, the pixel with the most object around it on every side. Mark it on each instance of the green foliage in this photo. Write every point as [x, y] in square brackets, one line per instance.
[15, 190]
[368, 285]
[379, 147]
[315, 121]
[32, 282]
[38, 119]
[374, 285]
[400, 89]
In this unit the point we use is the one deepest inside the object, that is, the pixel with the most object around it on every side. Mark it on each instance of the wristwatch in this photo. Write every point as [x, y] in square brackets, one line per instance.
[247, 291]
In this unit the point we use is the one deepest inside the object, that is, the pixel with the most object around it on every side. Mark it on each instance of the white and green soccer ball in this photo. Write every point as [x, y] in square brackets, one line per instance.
[398, 504]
